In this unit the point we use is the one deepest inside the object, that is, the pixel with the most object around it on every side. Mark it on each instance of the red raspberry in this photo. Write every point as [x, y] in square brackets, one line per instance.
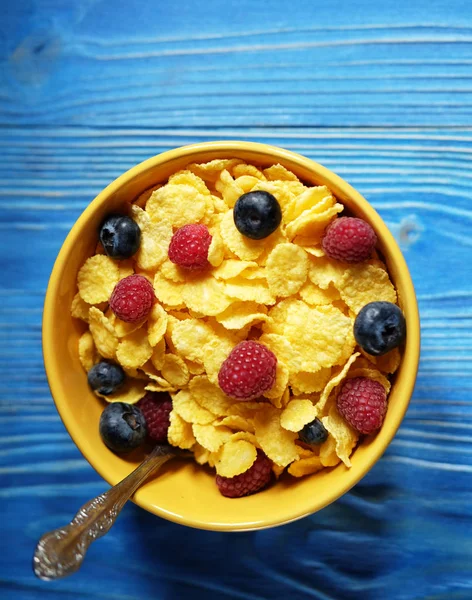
[248, 372]
[349, 240]
[363, 403]
[189, 247]
[249, 482]
[156, 408]
[132, 298]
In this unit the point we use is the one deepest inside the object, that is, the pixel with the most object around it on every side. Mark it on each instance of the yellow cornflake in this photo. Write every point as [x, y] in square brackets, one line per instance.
[277, 471]
[215, 353]
[315, 296]
[244, 169]
[246, 182]
[171, 271]
[160, 386]
[228, 188]
[335, 381]
[318, 334]
[205, 295]
[247, 290]
[158, 354]
[231, 268]
[283, 191]
[312, 223]
[168, 292]
[155, 239]
[243, 247]
[240, 314]
[210, 436]
[246, 435]
[297, 414]
[278, 172]
[188, 178]
[325, 271]
[187, 407]
[315, 251]
[87, 352]
[210, 171]
[277, 443]
[97, 279]
[134, 349]
[142, 199]
[209, 396]
[328, 455]
[235, 457]
[131, 392]
[287, 269]
[175, 371]
[371, 374]
[180, 432]
[194, 368]
[239, 423]
[103, 333]
[79, 308]
[247, 410]
[276, 392]
[278, 314]
[318, 199]
[178, 204]
[388, 363]
[362, 284]
[200, 454]
[283, 350]
[344, 435]
[125, 268]
[123, 328]
[305, 466]
[189, 338]
[157, 324]
[303, 382]
[216, 250]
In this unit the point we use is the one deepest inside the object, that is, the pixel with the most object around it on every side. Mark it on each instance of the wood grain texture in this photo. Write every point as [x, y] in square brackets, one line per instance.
[381, 93]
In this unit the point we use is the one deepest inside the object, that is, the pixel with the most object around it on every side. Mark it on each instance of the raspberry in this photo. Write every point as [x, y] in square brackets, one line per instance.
[132, 298]
[349, 240]
[363, 403]
[189, 247]
[248, 372]
[249, 482]
[156, 408]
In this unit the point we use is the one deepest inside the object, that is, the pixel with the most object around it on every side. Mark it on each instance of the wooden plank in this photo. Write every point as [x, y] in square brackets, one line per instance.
[241, 72]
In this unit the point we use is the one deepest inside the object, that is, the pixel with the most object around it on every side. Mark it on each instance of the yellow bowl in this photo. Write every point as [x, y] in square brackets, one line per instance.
[185, 492]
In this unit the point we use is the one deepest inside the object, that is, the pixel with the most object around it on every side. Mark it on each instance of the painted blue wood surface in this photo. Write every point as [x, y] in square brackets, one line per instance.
[381, 93]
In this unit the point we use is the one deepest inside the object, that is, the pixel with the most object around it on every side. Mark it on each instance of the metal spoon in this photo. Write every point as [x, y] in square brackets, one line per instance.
[60, 552]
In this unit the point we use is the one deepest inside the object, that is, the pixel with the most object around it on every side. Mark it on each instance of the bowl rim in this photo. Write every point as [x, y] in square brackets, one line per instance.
[282, 155]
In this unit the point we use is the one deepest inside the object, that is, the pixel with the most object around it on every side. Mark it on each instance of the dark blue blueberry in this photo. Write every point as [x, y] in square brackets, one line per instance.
[106, 377]
[379, 327]
[313, 433]
[122, 427]
[257, 215]
[120, 236]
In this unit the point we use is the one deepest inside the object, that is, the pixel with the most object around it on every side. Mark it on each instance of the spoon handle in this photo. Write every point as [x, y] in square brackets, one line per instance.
[60, 552]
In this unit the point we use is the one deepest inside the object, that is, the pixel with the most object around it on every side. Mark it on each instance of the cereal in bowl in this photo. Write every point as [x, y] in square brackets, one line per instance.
[245, 319]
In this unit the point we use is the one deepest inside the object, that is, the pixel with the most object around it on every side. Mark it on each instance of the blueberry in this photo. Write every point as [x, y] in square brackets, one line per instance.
[379, 327]
[106, 377]
[313, 433]
[257, 215]
[122, 427]
[120, 236]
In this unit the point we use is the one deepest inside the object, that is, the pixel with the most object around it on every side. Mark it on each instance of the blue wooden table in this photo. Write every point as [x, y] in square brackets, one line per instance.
[379, 91]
